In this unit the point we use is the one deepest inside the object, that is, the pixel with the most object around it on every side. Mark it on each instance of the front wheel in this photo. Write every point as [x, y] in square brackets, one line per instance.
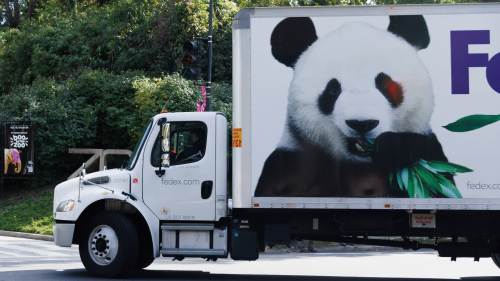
[146, 258]
[109, 245]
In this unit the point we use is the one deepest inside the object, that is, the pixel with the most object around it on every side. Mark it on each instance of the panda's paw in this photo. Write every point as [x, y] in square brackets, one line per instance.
[394, 151]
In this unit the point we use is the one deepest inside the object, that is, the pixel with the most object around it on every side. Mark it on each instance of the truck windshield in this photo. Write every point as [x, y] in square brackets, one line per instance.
[138, 147]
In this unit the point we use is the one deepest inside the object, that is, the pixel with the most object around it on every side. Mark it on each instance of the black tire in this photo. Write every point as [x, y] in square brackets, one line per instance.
[125, 245]
[496, 259]
[146, 257]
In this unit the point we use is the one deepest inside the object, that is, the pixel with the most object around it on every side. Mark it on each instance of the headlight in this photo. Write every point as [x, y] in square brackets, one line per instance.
[66, 206]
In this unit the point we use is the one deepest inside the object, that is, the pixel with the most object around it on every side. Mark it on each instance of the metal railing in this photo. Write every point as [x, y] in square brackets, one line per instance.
[97, 155]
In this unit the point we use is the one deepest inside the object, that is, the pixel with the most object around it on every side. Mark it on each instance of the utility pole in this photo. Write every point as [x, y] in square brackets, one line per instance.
[210, 37]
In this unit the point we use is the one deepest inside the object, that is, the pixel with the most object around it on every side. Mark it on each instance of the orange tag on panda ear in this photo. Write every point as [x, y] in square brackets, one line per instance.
[236, 138]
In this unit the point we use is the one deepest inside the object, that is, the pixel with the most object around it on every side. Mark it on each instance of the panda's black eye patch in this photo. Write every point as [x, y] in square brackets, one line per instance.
[391, 89]
[327, 99]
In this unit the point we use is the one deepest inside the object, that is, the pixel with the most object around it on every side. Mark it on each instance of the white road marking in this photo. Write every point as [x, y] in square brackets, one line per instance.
[35, 252]
[386, 264]
[26, 248]
[4, 254]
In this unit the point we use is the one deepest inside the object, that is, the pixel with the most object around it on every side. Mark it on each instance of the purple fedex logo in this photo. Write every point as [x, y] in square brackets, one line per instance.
[462, 60]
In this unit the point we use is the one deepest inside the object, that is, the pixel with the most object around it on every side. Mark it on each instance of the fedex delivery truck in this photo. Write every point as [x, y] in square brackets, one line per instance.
[371, 125]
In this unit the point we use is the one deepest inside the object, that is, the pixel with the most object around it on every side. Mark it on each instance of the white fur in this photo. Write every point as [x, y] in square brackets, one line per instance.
[355, 54]
[287, 141]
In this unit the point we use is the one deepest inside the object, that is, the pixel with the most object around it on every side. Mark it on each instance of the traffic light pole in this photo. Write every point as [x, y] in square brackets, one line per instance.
[209, 75]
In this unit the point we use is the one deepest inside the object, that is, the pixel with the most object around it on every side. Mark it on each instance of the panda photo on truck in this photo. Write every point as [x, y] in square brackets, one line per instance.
[356, 85]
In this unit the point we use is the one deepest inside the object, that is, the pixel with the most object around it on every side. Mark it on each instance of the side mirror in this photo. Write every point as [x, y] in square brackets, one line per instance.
[165, 145]
[83, 172]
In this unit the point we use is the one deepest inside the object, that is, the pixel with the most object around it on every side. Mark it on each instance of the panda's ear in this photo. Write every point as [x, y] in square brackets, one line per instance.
[412, 28]
[290, 38]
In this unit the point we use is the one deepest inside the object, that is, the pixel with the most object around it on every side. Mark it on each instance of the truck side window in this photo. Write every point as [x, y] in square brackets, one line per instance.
[187, 143]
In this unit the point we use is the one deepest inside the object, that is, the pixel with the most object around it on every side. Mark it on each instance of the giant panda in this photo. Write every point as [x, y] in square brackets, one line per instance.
[357, 85]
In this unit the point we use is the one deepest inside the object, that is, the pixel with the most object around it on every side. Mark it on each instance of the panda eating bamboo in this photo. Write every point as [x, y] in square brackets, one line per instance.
[359, 108]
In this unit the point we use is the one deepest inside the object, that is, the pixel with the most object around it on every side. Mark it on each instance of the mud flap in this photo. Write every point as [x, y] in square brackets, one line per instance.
[244, 244]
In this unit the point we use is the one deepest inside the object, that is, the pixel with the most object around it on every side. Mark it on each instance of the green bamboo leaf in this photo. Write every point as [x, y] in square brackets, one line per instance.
[445, 167]
[417, 184]
[448, 189]
[400, 181]
[410, 184]
[422, 191]
[472, 122]
[429, 181]
[424, 179]
[425, 165]
[404, 177]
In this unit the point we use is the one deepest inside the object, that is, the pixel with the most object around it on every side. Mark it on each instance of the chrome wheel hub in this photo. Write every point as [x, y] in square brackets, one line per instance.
[103, 245]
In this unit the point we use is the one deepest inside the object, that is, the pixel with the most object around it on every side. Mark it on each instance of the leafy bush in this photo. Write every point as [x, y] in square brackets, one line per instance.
[63, 120]
[222, 96]
[112, 99]
[173, 94]
[92, 109]
[121, 36]
[86, 74]
[170, 92]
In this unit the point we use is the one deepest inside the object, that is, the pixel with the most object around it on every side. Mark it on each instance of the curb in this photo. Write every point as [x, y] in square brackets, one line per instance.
[26, 235]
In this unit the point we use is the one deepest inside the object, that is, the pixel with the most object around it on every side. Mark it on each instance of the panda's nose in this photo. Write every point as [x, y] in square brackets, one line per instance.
[362, 126]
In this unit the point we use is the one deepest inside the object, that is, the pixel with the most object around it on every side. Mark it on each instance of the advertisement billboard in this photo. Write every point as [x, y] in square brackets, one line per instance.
[19, 152]
[373, 105]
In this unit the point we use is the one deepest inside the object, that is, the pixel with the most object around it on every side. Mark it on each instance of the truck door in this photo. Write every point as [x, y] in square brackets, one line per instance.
[185, 190]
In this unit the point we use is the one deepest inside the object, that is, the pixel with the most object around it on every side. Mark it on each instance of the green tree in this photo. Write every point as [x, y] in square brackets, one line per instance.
[12, 12]
[62, 120]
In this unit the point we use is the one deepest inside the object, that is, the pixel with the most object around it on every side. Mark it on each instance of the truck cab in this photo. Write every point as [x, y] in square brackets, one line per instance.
[169, 200]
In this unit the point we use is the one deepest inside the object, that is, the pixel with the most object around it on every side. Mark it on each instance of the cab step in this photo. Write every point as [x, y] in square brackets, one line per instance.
[193, 240]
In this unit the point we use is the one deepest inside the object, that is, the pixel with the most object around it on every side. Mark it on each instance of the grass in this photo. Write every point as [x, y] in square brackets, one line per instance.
[28, 212]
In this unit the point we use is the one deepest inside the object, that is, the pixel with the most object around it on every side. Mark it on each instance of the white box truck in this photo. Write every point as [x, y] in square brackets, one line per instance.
[350, 124]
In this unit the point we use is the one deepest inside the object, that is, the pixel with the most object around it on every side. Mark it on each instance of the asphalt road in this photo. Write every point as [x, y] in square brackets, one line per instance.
[30, 260]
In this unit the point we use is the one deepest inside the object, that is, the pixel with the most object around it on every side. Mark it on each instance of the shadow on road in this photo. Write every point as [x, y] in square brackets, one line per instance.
[80, 274]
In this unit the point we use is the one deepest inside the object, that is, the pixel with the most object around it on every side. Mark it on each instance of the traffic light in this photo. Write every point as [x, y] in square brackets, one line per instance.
[190, 61]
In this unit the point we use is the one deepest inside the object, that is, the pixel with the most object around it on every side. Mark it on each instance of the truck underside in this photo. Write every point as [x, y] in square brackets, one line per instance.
[248, 231]
[455, 233]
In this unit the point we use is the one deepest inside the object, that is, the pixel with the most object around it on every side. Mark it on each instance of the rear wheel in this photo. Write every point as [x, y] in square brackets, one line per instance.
[109, 245]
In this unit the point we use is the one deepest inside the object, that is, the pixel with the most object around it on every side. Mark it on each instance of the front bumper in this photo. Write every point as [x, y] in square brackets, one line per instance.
[63, 233]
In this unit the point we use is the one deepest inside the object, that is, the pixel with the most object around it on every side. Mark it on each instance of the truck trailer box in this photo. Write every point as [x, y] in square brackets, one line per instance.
[381, 107]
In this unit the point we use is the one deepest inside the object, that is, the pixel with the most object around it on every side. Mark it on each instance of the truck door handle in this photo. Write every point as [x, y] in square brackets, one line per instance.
[206, 189]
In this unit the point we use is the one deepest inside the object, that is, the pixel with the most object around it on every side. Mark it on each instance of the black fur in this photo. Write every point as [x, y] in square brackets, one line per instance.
[327, 99]
[412, 28]
[362, 126]
[309, 171]
[291, 37]
[394, 151]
